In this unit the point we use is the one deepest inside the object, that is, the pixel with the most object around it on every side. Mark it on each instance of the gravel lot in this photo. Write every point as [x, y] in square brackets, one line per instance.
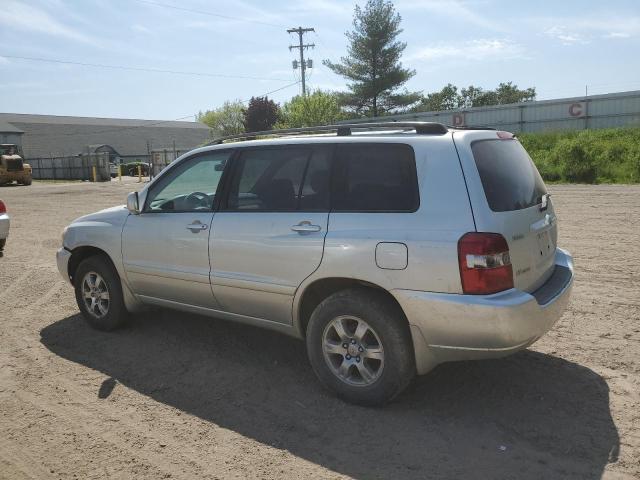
[180, 396]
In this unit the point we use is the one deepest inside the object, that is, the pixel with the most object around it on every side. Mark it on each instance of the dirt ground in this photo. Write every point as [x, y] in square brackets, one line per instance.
[180, 396]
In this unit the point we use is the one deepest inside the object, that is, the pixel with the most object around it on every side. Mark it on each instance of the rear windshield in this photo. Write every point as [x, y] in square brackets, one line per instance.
[510, 179]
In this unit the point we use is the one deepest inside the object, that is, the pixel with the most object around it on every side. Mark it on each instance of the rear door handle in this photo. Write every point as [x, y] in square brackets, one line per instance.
[197, 226]
[306, 227]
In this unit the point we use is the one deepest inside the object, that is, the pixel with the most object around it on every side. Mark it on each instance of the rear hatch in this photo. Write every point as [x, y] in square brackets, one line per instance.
[508, 197]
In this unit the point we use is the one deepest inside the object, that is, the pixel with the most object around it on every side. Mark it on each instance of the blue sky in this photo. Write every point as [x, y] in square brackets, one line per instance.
[557, 46]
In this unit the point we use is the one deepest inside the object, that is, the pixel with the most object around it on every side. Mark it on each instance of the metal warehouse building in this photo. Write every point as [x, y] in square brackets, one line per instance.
[47, 136]
[611, 110]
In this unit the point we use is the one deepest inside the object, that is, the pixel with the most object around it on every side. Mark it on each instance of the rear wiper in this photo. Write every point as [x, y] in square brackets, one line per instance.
[544, 202]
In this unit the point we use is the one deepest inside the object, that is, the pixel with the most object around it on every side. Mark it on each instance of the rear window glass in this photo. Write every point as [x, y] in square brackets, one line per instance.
[376, 178]
[510, 179]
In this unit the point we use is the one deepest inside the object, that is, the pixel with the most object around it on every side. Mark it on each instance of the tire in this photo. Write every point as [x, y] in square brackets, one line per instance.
[109, 312]
[384, 362]
[27, 182]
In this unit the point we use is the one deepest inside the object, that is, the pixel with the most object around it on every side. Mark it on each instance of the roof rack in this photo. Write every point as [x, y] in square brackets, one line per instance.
[470, 127]
[342, 130]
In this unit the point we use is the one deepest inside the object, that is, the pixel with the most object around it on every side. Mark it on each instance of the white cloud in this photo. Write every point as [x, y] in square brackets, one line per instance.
[304, 8]
[617, 35]
[140, 28]
[567, 37]
[583, 30]
[471, 50]
[459, 10]
[20, 16]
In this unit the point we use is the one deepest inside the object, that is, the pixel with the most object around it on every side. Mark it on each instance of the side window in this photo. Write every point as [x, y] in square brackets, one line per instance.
[315, 188]
[191, 186]
[268, 179]
[376, 178]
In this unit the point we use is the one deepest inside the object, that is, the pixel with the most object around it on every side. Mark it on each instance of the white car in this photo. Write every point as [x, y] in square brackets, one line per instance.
[4, 226]
[389, 250]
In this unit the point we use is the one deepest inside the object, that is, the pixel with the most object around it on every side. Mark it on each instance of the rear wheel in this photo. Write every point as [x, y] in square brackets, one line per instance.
[360, 347]
[99, 294]
[28, 181]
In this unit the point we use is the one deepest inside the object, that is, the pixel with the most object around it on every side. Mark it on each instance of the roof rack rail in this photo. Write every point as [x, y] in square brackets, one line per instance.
[342, 130]
[470, 127]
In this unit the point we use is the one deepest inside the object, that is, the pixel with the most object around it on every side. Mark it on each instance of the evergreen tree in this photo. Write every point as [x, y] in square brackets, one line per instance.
[373, 64]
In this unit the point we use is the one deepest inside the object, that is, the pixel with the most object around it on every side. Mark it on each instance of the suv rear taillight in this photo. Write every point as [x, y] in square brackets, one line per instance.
[3, 207]
[485, 266]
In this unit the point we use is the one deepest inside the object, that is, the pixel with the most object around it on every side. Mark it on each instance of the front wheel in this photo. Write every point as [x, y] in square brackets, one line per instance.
[99, 294]
[359, 346]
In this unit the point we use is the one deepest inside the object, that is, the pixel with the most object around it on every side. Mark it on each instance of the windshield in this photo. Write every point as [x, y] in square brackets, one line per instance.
[9, 150]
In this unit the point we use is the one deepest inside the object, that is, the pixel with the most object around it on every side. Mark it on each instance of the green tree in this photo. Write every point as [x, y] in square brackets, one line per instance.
[225, 120]
[446, 99]
[317, 108]
[373, 64]
[449, 99]
[261, 114]
[505, 93]
[469, 96]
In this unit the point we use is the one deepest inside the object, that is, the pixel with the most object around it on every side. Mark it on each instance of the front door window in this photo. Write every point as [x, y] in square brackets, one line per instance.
[191, 187]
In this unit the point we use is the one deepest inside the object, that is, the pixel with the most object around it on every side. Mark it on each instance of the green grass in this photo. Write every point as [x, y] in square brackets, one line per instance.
[586, 156]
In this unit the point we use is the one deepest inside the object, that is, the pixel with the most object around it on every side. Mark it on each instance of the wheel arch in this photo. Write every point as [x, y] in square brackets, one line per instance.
[79, 254]
[315, 292]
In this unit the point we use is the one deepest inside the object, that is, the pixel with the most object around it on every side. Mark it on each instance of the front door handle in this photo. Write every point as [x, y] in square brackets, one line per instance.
[197, 226]
[306, 227]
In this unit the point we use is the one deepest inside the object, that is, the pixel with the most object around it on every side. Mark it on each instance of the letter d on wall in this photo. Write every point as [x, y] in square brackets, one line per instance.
[458, 119]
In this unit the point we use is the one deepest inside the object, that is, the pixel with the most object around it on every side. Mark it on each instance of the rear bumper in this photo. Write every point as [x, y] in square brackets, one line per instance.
[62, 259]
[448, 327]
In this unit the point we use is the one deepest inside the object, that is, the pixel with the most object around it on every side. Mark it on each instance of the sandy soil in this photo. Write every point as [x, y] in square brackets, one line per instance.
[179, 396]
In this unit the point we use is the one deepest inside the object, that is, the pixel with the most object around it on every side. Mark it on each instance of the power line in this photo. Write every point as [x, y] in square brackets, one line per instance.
[141, 69]
[211, 14]
[274, 91]
[303, 64]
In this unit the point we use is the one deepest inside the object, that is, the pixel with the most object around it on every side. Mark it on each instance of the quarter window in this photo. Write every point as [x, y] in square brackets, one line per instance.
[376, 178]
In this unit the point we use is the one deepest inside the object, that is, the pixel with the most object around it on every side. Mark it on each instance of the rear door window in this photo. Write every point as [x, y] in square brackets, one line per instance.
[375, 178]
[509, 177]
[281, 179]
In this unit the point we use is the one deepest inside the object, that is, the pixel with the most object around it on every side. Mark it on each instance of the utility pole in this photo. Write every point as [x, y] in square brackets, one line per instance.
[303, 65]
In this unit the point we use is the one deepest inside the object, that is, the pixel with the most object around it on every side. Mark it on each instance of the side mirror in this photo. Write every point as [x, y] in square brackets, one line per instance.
[132, 203]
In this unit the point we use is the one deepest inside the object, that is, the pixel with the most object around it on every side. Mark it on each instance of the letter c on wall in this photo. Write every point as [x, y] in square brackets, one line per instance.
[576, 110]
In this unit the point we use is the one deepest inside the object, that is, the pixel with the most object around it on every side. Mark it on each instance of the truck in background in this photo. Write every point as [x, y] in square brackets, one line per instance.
[12, 166]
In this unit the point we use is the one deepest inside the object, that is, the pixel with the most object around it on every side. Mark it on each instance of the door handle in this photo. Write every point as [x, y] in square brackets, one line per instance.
[197, 226]
[306, 227]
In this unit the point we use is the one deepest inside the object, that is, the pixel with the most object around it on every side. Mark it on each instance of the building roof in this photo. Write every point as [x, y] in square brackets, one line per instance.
[53, 135]
[6, 127]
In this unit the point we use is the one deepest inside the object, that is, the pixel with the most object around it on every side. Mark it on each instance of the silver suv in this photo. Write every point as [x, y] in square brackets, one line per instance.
[389, 248]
